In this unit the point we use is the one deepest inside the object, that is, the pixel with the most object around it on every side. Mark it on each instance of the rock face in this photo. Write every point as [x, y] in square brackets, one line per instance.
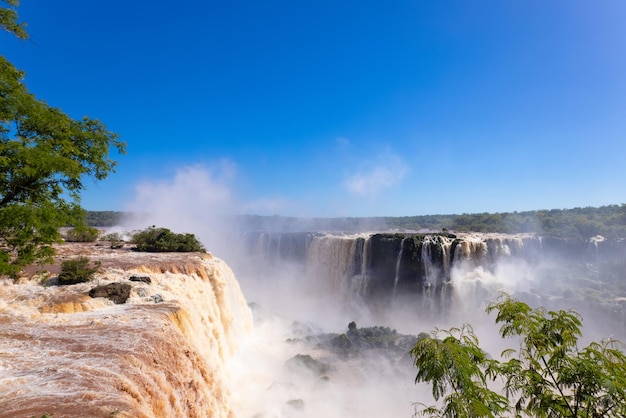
[66, 354]
[143, 279]
[116, 292]
[381, 268]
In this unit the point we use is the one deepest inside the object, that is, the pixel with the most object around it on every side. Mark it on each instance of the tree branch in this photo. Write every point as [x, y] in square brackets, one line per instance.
[543, 360]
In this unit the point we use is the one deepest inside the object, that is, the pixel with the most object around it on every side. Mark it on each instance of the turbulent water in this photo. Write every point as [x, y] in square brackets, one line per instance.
[65, 354]
[187, 344]
[380, 268]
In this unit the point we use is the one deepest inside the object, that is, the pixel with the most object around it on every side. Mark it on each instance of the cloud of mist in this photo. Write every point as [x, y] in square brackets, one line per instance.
[372, 178]
[369, 385]
[195, 200]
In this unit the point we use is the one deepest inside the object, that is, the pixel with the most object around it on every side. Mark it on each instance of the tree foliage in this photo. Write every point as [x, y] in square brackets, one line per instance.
[104, 218]
[77, 270]
[547, 376]
[577, 223]
[154, 239]
[45, 158]
[9, 20]
[82, 233]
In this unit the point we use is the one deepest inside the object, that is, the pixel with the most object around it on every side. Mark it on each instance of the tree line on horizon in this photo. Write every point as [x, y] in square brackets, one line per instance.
[578, 223]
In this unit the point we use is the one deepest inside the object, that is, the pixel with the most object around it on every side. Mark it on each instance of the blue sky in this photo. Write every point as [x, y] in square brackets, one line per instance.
[342, 108]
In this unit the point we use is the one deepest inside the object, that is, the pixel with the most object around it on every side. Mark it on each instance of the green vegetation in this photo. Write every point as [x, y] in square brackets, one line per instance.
[9, 20]
[355, 340]
[77, 270]
[103, 218]
[115, 239]
[578, 223]
[82, 233]
[45, 158]
[608, 221]
[154, 239]
[548, 376]
[307, 362]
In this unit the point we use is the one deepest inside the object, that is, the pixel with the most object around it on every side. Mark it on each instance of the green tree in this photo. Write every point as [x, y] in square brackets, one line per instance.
[9, 20]
[154, 239]
[45, 158]
[548, 376]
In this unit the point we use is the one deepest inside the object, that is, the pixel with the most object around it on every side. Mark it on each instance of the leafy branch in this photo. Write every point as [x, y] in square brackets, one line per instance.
[549, 376]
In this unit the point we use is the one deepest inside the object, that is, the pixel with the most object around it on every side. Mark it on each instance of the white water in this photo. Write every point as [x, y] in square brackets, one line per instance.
[198, 355]
[396, 278]
[66, 354]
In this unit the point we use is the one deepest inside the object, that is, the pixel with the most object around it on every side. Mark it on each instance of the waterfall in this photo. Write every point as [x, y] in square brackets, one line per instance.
[383, 270]
[429, 276]
[332, 261]
[359, 282]
[66, 354]
[396, 279]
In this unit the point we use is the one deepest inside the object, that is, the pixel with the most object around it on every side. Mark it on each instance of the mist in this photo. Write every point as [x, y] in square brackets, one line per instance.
[294, 298]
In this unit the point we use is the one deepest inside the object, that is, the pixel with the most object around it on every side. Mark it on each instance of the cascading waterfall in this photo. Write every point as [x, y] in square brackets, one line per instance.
[436, 276]
[429, 273]
[69, 355]
[396, 279]
[66, 354]
[425, 269]
[338, 262]
[474, 250]
[359, 282]
[357, 266]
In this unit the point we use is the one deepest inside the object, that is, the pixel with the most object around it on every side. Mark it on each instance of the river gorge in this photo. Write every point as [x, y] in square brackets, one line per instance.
[194, 339]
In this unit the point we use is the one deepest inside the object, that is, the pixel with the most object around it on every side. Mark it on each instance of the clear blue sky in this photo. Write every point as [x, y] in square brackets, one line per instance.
[342, 108]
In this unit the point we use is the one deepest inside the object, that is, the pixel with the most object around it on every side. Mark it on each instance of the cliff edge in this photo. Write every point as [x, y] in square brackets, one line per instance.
[161, 353]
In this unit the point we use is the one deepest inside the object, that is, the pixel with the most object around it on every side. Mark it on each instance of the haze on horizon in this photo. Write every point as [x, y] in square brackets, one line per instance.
[342, 109]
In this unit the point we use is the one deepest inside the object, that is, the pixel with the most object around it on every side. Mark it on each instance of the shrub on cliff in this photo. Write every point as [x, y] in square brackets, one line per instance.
[154, 239]
[77, 270]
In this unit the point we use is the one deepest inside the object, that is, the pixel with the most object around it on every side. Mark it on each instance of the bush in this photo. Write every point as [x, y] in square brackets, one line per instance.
[77, 270]
[154, 239]
[114, 238]
[82, 234]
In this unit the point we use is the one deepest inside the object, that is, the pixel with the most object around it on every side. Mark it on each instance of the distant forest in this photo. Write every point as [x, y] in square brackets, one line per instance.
[608, 221]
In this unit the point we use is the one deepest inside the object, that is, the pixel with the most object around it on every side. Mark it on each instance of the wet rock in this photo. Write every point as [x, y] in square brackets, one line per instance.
[116, 292]
[142, 279]
[308, 363]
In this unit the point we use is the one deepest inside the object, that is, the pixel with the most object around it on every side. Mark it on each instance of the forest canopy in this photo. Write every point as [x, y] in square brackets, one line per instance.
[581, 223]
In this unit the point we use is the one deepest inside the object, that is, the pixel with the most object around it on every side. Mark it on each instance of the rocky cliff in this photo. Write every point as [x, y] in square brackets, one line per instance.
[428, 271]
[161, 353]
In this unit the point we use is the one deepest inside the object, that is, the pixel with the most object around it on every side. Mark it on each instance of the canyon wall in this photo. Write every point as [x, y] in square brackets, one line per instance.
[383, 269]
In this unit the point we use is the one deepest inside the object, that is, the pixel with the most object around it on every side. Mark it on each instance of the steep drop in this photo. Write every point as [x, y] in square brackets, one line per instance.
[66, 354]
